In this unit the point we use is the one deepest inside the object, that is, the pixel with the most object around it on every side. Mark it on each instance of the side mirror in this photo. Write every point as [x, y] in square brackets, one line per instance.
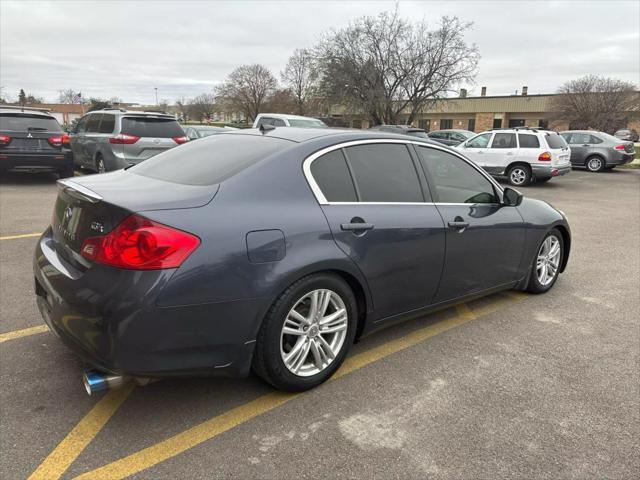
[511, 197]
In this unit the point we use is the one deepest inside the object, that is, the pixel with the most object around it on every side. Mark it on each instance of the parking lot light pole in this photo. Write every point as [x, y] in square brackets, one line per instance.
[156, 89]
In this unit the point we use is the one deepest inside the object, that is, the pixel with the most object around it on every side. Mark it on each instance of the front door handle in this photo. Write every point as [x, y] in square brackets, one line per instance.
[356, 226]
[458, 224]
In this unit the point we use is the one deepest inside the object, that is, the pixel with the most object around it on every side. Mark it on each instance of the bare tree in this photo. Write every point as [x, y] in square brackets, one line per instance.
[247, 88]
[600, 103]
[67, 96]
[301, 76]
[202, 106]
[386, 66]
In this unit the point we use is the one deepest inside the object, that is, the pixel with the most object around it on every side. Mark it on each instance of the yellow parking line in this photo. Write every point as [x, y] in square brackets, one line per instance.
[4, 337]
[24, 235]
[213, 427]
[82, 434]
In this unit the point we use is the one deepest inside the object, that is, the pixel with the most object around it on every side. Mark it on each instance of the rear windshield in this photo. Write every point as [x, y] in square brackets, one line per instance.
[23, 122]
[210, 160]
[151, 127]
[555, 141]
[306, 123]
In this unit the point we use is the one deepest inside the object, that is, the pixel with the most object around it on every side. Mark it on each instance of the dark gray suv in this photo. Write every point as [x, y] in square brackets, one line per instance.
[111, 139]
[598, 151]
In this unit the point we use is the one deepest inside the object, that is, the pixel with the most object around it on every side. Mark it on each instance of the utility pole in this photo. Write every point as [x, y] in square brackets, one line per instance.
[156, 89]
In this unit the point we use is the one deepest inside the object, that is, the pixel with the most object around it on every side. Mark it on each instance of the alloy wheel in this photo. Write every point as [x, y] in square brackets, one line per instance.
[594, 164]
[548, 260]
[518, 176]
[314, 332]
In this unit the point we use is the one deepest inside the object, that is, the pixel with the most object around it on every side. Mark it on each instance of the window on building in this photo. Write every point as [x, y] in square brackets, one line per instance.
[455, 181]
[528, 141]
[497, 123]
[424, 124]
[471, 125]
[516, 122]
[384, 173]
[446, 123]
[356, 124]
[542, 123]
[332, 176]
[504, 140]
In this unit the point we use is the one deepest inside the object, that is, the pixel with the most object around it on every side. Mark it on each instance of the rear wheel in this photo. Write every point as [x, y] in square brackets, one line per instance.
[100, 168]
[594, 164]
[546, 264]
[306, 333]
[519, 175]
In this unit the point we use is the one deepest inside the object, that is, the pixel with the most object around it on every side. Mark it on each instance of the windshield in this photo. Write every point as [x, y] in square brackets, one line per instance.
[306, 123]
[210, 160]
[22, 122]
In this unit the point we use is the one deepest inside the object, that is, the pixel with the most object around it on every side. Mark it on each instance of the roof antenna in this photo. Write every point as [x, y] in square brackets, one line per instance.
[264, 128]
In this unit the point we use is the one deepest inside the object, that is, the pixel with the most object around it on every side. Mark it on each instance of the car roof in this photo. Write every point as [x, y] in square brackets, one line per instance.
[300, 135]
[29, 110]
[451, 130]
[119, 111]
[207, 127]
[286, 115]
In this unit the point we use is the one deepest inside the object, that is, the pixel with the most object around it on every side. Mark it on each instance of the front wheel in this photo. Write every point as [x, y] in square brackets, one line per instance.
[306, 333]
[546, 263]
[519, 175]
[595, 164]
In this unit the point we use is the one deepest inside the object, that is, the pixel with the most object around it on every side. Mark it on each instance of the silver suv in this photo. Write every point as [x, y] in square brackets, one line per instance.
[111, 139]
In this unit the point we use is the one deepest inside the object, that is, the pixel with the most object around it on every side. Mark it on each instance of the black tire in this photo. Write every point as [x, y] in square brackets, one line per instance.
[267, 359]
[594, 164]
[67, 172]
[100, 165]
[519, 175]
[534, 285]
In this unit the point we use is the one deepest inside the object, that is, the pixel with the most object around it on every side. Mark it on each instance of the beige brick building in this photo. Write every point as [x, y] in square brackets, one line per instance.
[485, 112]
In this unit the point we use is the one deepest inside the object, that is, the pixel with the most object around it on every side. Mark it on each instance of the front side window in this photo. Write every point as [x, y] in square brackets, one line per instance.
[277, 122]
[454, 180]
[93, 123]
[481, 141]
[504, 140]
[332, 175]
[384, 173]
[81, 127]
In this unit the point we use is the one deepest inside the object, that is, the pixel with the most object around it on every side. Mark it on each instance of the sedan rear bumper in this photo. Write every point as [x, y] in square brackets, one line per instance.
[620, 158]
[109, 318]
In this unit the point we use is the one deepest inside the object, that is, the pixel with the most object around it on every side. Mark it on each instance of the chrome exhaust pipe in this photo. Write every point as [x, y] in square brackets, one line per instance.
[96, 381]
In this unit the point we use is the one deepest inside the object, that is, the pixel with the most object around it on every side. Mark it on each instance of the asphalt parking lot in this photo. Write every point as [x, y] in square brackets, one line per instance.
[509, 386]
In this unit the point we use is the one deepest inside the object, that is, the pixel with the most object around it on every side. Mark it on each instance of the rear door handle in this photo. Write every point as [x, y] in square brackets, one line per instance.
[356, 226]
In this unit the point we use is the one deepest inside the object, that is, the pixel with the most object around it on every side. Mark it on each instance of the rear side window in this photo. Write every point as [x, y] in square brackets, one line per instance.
[332, 176]
[107, 124]
[211, 160]
[93, 123]
[384, 173]
[454, 180]
[151, 127]
[23, 122]
[504, 140]
[555, 141]
[528, 141]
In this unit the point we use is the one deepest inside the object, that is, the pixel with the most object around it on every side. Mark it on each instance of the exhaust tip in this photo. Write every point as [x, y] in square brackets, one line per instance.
[94, 381]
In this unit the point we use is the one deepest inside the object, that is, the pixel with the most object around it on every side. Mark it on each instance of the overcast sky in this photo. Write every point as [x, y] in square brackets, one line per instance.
[125, 49]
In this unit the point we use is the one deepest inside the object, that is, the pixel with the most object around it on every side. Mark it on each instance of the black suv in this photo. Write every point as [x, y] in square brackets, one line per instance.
[31, 140]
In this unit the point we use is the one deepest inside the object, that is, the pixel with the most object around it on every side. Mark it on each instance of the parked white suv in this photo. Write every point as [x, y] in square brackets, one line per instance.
[284, 120]
[521, 154]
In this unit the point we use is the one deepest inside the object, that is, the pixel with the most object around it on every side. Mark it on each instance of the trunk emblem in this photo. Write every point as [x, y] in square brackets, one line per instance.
[29, 135]
[97, 226]
[68, 213]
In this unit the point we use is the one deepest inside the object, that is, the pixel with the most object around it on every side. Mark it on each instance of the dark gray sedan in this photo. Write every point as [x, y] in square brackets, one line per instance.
[274, 250]
[598, 151]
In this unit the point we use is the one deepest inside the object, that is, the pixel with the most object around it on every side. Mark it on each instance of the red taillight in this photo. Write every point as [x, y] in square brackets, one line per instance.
[124, 139]
[544, 157]
[5, 139]
[619, 147]
[180, 140]
[59, 140]
[141, 244]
